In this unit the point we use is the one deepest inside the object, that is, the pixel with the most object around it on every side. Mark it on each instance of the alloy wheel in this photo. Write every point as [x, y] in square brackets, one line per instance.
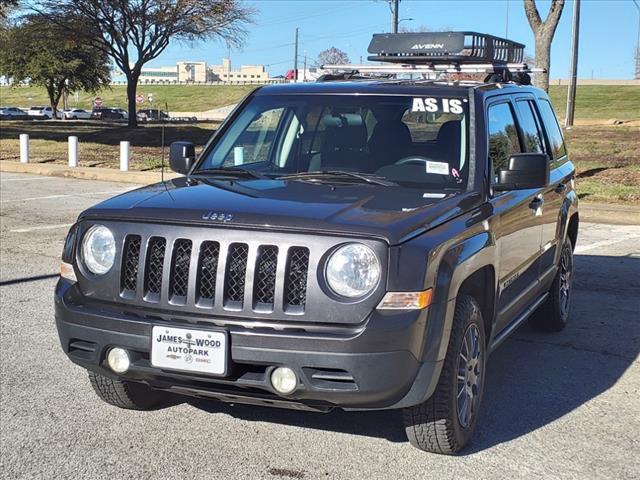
[469, 375]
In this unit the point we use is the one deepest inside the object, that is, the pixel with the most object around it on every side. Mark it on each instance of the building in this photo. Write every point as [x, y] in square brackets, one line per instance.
[159, 75]
[200, 72]
[192, 72]
[246, 74]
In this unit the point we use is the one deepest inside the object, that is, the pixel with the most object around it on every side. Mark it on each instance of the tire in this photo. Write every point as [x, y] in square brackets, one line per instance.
[442, 424]
[127, 395]
[553, 314]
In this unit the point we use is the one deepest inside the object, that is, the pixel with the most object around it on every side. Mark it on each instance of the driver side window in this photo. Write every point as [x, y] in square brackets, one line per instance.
[503, 137]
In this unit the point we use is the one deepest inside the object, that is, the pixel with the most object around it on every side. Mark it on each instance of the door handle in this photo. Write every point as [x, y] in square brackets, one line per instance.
[536, 203]
[561, 188]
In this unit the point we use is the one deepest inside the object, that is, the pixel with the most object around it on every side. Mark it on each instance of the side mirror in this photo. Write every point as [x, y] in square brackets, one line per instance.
[524, 171]
[182, 156]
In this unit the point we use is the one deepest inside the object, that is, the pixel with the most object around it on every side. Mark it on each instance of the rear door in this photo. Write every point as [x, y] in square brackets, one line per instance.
[519, 230]
[560, 174]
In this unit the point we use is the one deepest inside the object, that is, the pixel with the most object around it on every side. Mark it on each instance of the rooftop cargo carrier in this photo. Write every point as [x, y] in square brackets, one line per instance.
[438, 47]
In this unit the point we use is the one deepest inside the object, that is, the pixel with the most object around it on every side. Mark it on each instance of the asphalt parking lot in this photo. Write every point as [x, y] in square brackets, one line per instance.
[557, 406]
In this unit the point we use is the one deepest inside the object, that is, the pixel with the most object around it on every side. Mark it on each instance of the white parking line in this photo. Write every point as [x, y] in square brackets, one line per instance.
[40, 227]
[50, 197]
[19, 179]
[606, 243]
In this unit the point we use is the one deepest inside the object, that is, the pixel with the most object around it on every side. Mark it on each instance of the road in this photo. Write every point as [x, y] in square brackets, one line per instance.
[557, 406]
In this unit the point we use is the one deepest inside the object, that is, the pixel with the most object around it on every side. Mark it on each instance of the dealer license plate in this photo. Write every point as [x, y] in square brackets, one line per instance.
[189, 349]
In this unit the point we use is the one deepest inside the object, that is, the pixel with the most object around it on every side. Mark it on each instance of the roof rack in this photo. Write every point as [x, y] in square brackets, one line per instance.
[456, 47]
[441, 52]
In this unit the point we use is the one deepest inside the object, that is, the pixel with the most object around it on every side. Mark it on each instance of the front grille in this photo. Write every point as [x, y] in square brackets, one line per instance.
[129, 280]
[179, 280]
[207, 271]
[213, 275]
[295, 289]
[153, 268]
[264, 287]
[236, 274]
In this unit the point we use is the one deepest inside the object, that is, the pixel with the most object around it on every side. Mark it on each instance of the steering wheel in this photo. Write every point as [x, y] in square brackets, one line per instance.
[413, 160]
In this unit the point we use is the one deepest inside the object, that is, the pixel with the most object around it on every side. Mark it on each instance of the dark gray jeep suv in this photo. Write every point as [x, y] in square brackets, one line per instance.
[362, 242]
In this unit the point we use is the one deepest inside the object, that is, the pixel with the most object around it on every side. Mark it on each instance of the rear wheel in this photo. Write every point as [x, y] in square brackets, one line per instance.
[553, 314]
[123, 394]
[446, 421]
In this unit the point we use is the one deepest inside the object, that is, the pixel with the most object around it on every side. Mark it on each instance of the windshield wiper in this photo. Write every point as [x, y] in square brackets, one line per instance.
[337, 174]
[236, 172]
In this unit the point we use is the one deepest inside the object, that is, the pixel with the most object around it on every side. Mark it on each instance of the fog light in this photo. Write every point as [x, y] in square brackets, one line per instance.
[118, 360]
[284, 380]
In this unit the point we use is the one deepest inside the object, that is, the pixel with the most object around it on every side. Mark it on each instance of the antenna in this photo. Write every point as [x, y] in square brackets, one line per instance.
[166, 107]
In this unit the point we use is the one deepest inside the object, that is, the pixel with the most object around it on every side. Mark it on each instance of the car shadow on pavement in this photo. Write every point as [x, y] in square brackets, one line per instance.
[533, 378]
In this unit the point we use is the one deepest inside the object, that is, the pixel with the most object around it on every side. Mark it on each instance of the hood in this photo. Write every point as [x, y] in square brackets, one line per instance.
[391, 213]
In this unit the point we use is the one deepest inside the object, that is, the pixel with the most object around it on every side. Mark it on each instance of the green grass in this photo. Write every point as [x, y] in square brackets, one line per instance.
[599, 102]
[593, 102]
[179, 98]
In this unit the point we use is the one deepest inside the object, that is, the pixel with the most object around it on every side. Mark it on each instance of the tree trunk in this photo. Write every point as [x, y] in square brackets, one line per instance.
[52, 99]
[543, 58]
[132, 85]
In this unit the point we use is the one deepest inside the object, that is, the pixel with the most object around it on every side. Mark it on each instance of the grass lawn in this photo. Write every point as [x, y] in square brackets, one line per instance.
[607, 157]
[592, 101]
[179, 98]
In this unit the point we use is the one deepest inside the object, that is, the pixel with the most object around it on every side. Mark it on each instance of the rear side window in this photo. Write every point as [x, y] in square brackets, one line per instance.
[532, 134]
[503, 135]
[554, 134]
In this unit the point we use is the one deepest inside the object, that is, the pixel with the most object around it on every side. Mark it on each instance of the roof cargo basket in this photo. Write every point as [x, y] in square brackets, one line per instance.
[429, 48]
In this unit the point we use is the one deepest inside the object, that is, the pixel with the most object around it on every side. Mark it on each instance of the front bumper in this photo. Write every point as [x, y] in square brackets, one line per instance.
[377, 367]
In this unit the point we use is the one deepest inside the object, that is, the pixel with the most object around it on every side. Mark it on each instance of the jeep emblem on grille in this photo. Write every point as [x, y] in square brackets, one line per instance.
[217, 216]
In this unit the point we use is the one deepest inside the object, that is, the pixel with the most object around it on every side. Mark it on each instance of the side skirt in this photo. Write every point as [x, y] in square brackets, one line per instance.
[502, 336]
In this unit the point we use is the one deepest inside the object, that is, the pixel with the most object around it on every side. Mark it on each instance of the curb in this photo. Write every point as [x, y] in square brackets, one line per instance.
[612, 214]
[87, 173]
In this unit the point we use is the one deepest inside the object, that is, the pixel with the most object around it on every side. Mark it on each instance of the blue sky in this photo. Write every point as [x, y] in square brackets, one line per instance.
[608, 31]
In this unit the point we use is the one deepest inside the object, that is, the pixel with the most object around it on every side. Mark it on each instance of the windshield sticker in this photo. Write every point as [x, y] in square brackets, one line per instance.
[433, 195]
[432, 105]
[438, 168]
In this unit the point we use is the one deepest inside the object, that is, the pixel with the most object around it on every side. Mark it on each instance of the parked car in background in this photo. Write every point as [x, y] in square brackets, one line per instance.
[40, 112]
[151, 115]
[12, 113]
[109, 113]
[76, 114]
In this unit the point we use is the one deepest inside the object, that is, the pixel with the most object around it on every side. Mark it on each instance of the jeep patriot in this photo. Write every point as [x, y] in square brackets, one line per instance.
[362, 242]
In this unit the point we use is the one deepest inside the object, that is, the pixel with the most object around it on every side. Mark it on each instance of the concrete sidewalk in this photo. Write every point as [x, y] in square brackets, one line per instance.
[614, 214]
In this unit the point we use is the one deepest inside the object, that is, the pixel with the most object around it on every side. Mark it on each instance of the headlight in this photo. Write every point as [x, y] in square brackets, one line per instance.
[98, 249]
[353, 270]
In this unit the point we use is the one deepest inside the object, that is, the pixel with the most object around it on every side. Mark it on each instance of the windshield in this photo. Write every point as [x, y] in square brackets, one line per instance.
[409, 141]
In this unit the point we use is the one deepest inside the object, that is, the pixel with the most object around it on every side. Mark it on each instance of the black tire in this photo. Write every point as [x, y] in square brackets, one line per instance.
[123, 394]
[553, 314]
[438, 425]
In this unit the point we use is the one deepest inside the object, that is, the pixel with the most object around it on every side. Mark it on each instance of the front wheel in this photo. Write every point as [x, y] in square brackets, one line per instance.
[446, 421]
[127, 395]
[553, 314]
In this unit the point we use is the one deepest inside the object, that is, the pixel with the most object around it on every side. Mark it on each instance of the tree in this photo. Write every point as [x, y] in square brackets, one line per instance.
[543, 32]
[7, 7]
[332, 56]
[49, 56]
[133, 32]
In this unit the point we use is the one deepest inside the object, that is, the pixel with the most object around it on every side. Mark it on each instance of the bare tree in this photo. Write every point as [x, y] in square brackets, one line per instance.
[133, 32]
[332, 56]
[543, 32]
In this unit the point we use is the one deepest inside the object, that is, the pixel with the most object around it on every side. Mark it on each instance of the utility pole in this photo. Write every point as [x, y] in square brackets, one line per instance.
[395, 6]
[304, 68]
[637, 72]
[571, 92]
[506, 28]
[295, 58]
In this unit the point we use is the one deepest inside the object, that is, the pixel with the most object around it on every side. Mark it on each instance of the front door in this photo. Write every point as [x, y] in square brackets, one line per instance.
[519, 230]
